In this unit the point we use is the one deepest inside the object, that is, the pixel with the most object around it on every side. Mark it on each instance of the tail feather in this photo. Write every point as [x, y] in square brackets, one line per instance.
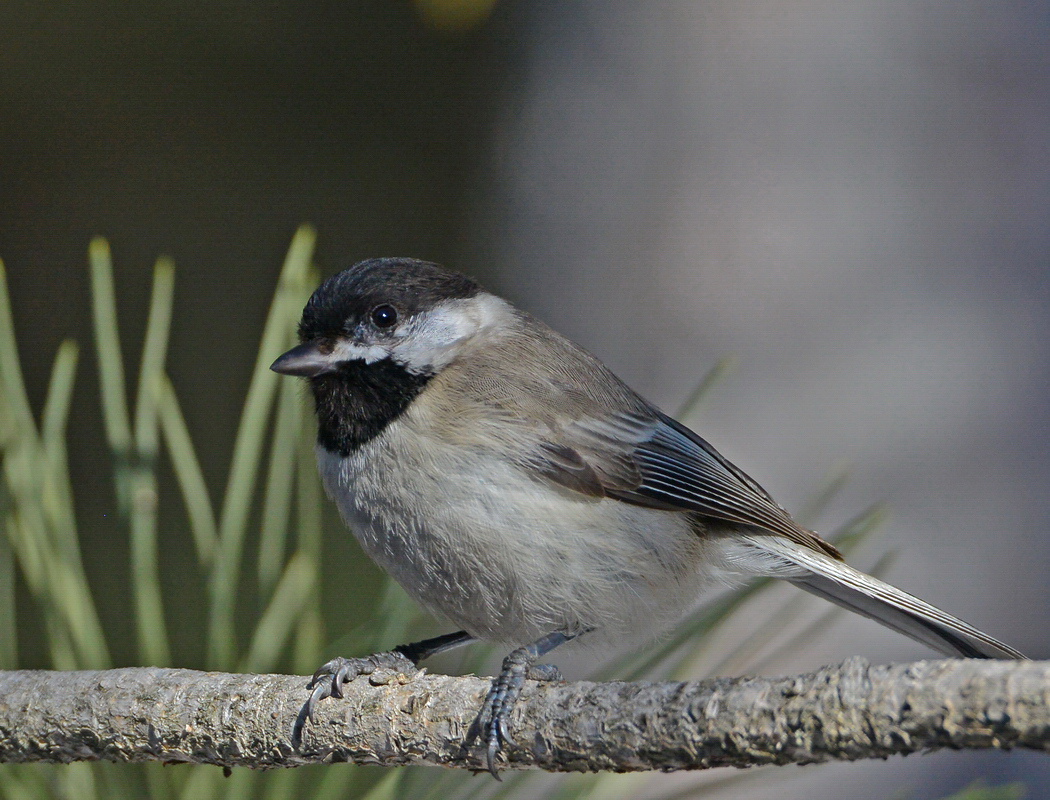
[845, 586]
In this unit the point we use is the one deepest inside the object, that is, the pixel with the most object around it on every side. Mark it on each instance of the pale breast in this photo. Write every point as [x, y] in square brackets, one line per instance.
[509, 558]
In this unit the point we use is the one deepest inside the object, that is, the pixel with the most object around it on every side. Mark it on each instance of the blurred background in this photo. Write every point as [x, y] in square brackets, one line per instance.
[850, 199]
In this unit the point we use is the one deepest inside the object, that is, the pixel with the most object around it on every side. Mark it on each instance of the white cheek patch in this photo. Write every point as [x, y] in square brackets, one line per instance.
[345, 350]
[433, 339]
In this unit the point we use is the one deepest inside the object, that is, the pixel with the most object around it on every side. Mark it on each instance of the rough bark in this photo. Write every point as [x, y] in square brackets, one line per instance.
[848, 711]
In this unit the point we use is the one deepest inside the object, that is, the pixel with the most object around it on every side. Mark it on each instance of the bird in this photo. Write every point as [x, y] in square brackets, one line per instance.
[517, 488]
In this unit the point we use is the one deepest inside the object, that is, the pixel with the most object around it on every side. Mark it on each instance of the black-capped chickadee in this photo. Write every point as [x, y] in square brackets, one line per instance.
[516, 487]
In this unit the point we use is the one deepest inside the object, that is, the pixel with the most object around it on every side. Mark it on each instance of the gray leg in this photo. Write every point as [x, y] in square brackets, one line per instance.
[492, 724]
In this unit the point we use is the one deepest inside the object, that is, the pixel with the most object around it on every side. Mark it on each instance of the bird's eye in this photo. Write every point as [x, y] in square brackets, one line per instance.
[384, 316]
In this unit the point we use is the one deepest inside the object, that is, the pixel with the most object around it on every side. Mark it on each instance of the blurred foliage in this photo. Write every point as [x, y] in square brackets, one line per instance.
[454, 15]
[261, 570]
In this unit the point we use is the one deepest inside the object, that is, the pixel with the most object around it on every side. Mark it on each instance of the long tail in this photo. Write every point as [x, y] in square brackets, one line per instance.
[838, 582]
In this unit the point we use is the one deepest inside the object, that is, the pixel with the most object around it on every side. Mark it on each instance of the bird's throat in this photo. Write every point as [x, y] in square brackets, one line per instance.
[356, 402]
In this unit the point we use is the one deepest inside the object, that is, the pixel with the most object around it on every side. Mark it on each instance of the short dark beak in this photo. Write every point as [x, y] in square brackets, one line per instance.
[304, 361]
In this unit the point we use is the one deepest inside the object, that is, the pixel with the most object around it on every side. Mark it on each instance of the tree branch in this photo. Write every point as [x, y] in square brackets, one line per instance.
[847, 711]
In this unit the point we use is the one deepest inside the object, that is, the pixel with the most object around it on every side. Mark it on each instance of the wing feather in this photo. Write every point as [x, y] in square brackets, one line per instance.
[646, 458]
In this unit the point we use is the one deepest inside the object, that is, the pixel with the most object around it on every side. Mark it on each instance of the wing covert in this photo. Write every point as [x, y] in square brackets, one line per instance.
[653, 460]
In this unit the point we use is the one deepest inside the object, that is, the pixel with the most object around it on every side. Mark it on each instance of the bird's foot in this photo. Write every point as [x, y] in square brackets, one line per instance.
[329, 680]
[492, 724]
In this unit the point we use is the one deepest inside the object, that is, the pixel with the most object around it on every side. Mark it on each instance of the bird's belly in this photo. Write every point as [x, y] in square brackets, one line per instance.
[509, 558]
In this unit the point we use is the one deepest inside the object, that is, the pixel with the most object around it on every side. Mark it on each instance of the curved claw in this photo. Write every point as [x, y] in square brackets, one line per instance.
[501, 729]
[319, 693]
[491, 754]
[346, 672]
